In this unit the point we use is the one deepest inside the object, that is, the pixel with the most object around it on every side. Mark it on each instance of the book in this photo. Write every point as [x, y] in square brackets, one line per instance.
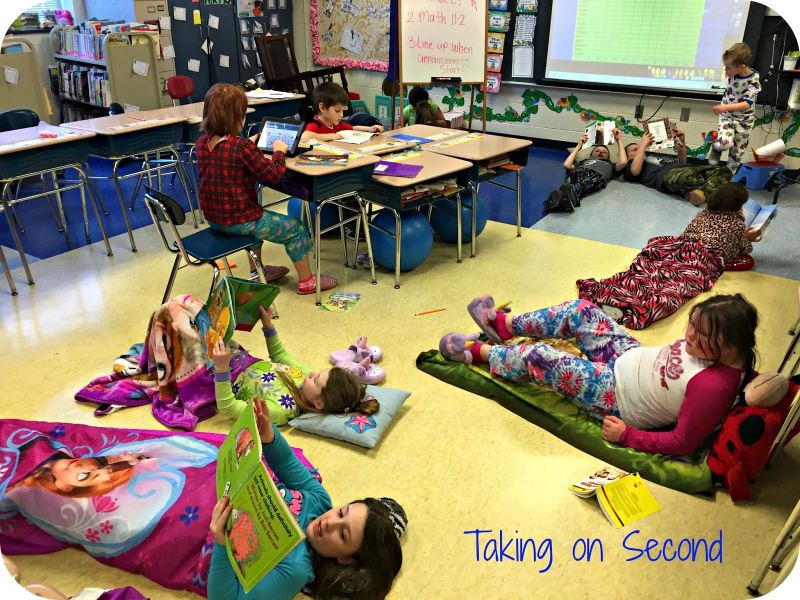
[321, 159]
[234, 305]
[261, 530]
[622, 496]
[341, 301]
[599, 132]
[350, 136]
[396, 169]
[663, 132]
[758, 217]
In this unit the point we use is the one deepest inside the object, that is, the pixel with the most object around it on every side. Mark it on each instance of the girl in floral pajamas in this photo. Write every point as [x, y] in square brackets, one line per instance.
[691, 383]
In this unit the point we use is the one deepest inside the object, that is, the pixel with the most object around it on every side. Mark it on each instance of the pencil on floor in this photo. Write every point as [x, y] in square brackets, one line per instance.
[427, 312]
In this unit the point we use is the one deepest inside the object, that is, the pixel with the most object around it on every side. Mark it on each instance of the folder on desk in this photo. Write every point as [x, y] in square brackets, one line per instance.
[414, 139]
[396, 169]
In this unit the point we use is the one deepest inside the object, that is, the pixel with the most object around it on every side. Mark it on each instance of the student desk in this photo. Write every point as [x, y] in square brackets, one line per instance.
[332, 185]
[387, 191]
[377, 145]
[481, 149]
[272, 107]
[125, 136]
[24, 154]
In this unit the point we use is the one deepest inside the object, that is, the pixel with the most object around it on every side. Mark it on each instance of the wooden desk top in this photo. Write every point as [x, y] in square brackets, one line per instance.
[434, 166]
[320, 170]
[485, 147]
[259, 101]
[193, 113]
[373, 145]
[28, 138]
[428, 131]
[121, 124]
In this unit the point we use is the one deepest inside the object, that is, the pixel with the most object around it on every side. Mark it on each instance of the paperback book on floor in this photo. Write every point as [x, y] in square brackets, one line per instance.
[623, 496]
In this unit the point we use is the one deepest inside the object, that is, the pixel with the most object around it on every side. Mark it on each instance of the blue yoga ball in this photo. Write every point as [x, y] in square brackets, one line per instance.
[417, 239]
[443, 220]
[328, 218]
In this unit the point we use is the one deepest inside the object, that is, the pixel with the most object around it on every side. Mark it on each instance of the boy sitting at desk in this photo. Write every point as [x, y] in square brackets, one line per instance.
[330, 100]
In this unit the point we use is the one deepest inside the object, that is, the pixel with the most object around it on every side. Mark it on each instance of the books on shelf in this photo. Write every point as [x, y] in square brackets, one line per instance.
[758, 217]
[84, 83]
[261, 530]
[623, 497]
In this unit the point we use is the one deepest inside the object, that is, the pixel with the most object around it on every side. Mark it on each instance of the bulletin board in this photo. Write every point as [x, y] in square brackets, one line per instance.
[442, 39]
[352, 33]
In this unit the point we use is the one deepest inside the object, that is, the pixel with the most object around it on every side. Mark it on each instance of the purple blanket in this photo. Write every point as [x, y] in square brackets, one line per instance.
[134, 499]
[173, 371]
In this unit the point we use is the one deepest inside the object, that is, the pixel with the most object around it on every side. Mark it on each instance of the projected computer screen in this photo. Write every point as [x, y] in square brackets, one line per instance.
[669, 44]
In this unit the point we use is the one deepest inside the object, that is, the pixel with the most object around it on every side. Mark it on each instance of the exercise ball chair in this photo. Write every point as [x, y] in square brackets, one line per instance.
[443, 220]
[417, 239]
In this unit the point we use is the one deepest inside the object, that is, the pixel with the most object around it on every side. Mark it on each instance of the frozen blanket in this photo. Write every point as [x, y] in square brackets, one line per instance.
[172, 371]
[667, 273]
[134, 499]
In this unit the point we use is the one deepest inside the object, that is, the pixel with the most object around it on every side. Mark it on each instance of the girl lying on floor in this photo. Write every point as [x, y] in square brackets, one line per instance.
[691, 383]
[670, 270]
[287, 387]
[142, 501]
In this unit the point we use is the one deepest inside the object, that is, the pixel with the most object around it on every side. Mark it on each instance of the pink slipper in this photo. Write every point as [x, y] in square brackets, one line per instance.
[357, 352]
[364, 371]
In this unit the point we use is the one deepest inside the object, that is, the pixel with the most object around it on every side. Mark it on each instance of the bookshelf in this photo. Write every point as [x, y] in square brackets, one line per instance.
[95, 70]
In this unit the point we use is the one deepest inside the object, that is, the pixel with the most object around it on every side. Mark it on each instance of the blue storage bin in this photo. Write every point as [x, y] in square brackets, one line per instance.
[755, 175]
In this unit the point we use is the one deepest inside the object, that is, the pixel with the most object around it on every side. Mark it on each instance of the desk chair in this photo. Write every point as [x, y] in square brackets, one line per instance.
[180, 87]
[782, 547]
[7, 271]
[781, 180]
[282, 73]
[198, 249]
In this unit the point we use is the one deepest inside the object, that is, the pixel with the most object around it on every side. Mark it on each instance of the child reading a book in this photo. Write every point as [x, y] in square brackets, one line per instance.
[691, 383]
[587, 176]
[417, 97]
[670, 174]
[229, 168]
[330, 101]
[287, 387]
[721, 225]
[352, 551]
[737, 110]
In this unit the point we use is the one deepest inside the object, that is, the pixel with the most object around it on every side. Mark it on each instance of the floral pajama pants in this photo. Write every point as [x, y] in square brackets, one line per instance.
[276, 228]
[589, 382]
[734, 134]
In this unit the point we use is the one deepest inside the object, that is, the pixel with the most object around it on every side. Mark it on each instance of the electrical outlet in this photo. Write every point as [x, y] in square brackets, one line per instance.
[685, 112]
[639, 111]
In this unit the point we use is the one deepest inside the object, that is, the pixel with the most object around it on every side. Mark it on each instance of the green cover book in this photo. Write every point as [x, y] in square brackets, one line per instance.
[261, 530]
[234, 305]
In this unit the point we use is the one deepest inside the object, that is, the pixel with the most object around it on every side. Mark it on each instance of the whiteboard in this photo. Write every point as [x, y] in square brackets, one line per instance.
[442, 38]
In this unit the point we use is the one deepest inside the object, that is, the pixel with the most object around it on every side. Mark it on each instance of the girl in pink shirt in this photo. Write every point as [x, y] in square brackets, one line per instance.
[691, 383]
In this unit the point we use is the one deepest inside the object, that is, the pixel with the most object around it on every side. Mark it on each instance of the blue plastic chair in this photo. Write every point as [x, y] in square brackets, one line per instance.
[199, 249]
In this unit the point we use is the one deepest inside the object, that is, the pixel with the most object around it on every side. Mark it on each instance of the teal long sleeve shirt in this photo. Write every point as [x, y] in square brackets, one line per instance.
[295, 571]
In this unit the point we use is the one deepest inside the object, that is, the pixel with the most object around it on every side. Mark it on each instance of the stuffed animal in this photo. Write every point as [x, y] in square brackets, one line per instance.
[742, 447]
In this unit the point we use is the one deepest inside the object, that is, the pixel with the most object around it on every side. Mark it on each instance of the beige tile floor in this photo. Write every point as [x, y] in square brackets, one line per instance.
[455, 460]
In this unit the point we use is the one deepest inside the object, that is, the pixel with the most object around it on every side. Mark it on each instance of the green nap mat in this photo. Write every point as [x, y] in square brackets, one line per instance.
[562, 418]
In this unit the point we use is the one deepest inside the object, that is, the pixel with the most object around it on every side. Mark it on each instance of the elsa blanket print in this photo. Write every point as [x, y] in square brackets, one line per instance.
[667, 273]
[137, 500]
[172, 371]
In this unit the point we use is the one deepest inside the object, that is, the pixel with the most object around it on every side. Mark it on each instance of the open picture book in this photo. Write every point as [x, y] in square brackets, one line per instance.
[599, 133]
[663, 132]
[758, 217]
[261, 530]
[234, 305]
[623, 497]
[351, 136]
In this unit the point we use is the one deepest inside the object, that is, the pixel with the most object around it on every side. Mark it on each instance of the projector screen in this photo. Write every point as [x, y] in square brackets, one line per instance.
[661, 44]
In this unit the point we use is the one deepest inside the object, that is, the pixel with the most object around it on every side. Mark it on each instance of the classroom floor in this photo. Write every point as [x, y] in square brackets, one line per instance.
[455, 461]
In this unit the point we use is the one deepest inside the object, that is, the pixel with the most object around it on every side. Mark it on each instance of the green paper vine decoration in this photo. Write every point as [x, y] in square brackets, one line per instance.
[532, 98]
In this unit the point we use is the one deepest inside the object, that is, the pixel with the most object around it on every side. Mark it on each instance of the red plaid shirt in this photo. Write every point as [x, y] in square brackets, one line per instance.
[228, 176]
[317, 126]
